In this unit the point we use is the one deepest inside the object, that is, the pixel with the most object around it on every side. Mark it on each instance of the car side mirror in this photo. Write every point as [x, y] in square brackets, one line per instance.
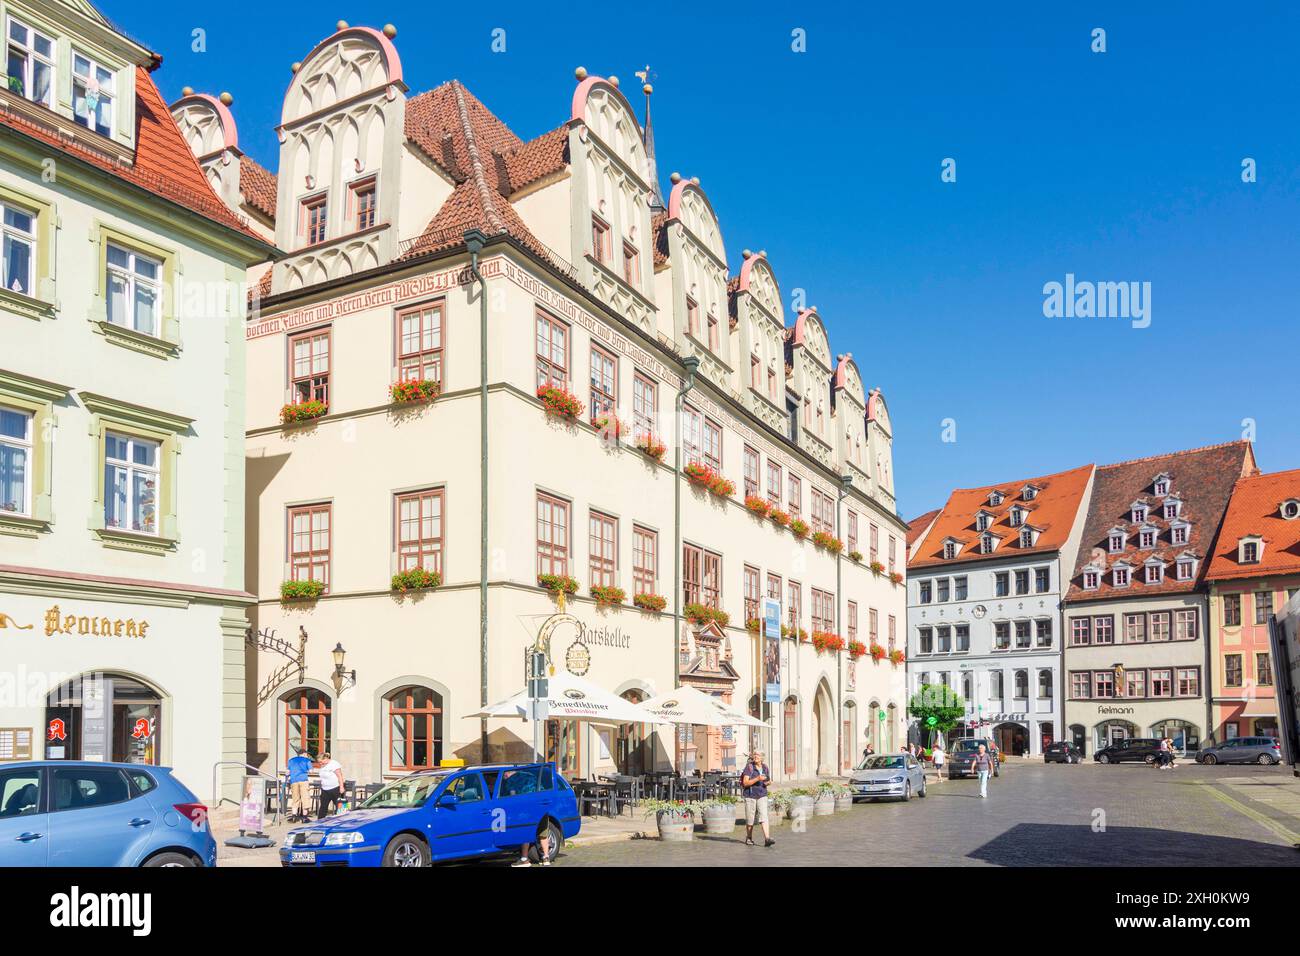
[448, 800]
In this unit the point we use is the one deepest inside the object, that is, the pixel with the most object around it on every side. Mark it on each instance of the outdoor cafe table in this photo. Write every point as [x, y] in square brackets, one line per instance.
[601, 791]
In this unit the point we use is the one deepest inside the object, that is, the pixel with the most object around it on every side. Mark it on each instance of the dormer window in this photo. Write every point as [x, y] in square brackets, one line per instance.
[1155, 571]
[1115, 540]
[995, 498]
[600, 240]
[1138, 513]
[1250, 550]
[1179, 532]
[1120, 576]
[988, 543]
[1027, 537]
[1029, 492]
[1185, 568]
[31, 64]
[1290, 509]
[1160, 485]
[1172, 507]
[1091, 579]
[313, 219]
[983, 521]
[1147, 539]
[1017, 516]
[951, 549]
[363, 198]
[92, 95]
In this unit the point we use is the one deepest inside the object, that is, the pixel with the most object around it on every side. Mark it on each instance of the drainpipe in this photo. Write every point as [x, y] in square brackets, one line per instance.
[846, 481]
[474, 240]
[691, 363]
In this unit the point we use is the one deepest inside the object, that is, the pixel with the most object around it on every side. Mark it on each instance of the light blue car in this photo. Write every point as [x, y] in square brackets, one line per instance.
[81, 813]
[444, 814]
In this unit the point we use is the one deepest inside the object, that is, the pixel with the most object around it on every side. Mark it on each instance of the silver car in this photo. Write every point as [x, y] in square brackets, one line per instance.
[887, 775]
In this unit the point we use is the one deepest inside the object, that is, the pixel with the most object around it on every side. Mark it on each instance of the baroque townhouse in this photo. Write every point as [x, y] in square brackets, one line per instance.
[1254, 571]
[984, 596]
[1137, 655]
[122, 602]
[415, 497]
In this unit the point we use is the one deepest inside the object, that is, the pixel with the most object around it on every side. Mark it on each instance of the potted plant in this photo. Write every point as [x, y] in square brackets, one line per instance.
[701, 614]
[560, 403]
[297, 412]
[824, 799]
[759, 506]
[877, 652]
[416, 579]
[855, 556]
[607, 595]
[650, 602]
[801, 803]
[719, 814]
[799, 527]
[651, 448]
[825, 641]
[843, 796]
[895, 577]
[753, 625]
[291, 591]
[877, 568]
[779, 801]
[555, 583]
[896, 656]
[675, 819]
[411, 391]
[857, 649]
[780, 517]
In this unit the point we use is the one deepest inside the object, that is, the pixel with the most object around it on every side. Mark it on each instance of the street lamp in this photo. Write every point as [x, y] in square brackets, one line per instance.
[341, 678]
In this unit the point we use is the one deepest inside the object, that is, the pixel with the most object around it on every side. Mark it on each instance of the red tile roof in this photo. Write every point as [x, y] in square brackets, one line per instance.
[1202, 477]
[918, 526]
[536, 159]
[163, 163]
[1255, 509]
[258, 186]
[1053, 511]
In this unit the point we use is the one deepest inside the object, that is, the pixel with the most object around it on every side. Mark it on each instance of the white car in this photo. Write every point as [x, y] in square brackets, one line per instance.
[887, 775]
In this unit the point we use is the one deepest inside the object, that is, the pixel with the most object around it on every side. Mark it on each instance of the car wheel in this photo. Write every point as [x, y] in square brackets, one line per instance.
[1149, 759]
[907, 791]
[554, 843]
[1264, 760]
[1210, 760]
[1103, 759]
[170, 859]
[406, 850]
[921, 793]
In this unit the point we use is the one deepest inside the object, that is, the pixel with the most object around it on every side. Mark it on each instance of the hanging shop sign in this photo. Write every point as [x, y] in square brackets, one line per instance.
[771, 650]
[577, 659]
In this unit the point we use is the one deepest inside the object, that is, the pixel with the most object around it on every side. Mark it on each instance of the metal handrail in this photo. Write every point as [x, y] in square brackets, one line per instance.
[218, 800]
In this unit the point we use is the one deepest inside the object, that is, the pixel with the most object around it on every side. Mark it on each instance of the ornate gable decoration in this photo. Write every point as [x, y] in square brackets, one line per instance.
[758, 279]
[599, 105]
[692, 209]
[352, 62]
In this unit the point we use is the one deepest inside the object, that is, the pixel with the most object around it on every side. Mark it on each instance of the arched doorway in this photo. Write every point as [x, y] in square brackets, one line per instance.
[891, 730]
[630, 740]
[823, 729]
[1079, 737]
[1185, 735]
[873, 727]
[1112, 732]
[111, 717]
[849, 718]
[414, 728]
[790, 735]
[1012, 738]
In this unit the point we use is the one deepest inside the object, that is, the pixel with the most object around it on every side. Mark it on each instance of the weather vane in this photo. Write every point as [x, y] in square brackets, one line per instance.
[645, 76]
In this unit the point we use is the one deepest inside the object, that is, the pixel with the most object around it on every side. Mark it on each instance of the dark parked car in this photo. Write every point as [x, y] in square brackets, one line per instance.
[1261, 750]
[963, 753]
[1062, 752]
[1128, 750]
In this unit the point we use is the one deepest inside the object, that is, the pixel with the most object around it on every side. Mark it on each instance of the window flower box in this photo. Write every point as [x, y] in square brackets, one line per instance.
[825, 641]
[753, 625]
[412, 391]
[895, 577]
[799, 528]
[896, 656]
[416, 579]
[702, 614]
[650, 602]
[828, 541]
[652, 448]
[296, 412]
[855, 556]
[702, 476]
[877, 568]
[608, 427]
[759, 506]
[857, 649]
[780, 517]
[803, 635]
[555, 583]
[877, 652]
[559, 403]
[301, 590]
[608, 595]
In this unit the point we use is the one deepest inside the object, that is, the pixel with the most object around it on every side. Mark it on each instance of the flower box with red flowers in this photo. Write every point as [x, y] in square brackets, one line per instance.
[556, 583]
[877, 568]
[416, 579]
[895, 577]
[896, 657]
[702, 614]
[803, 635]
[824, 539]
[877, 652]
[607, 595]
[857, 649]
[652, 448]
[826, 641]
[301, 590]
[560, 403]
[608, 426]
[722, 487]
[650, 602]
[296, 412]
[759, 506]
[753, 625]
[799, 527]
[856, 556]
[412, 391]
[780, 517]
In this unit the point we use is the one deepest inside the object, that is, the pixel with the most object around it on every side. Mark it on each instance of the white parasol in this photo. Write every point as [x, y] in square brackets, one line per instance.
[686, 705]
[572, 698]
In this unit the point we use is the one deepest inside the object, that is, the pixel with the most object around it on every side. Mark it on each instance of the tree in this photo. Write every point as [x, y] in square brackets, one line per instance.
[940, 702]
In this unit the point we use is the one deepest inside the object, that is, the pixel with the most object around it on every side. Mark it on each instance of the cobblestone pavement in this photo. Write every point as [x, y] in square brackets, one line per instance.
[1035, 815]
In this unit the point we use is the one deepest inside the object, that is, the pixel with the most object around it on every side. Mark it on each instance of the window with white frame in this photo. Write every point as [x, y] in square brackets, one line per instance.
[1026, 538]
[1016, 516]
[15, 461]
[1147, 538]
[1290, 509]
[1172, 508]
[1090, 579]
[1178, 534]
[988, 543]
[19, 248]
[1119, 577]
[1161, 486]
[1185, 569]
[131, 479]
[1139, 513]
[1029, 493]
[134, 289]
[1043, 632]
[1248, 551]
[995, 498]
[1116, 542]
[30, 63]
[92, 94]
[983, 520]
[949, 550]
[1155, 573]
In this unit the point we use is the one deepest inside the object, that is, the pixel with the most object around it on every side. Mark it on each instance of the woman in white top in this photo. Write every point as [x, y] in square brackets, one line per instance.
[937, 756]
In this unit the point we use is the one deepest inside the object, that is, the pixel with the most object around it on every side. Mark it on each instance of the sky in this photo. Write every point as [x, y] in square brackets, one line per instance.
[1122, 165]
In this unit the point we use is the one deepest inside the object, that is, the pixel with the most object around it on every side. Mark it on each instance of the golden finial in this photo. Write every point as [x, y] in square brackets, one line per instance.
[559, 600]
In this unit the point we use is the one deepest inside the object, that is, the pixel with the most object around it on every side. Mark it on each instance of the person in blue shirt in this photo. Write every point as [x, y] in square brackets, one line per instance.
[299, 767]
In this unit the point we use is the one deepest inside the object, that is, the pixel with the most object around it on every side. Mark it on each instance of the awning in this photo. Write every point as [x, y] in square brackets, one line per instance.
[687, 705]
[572, 698]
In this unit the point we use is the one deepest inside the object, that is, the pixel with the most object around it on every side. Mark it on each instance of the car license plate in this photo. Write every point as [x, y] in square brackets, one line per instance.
[302, 856]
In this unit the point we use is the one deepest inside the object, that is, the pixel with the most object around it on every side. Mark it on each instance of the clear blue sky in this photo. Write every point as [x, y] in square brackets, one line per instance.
[1119, 166]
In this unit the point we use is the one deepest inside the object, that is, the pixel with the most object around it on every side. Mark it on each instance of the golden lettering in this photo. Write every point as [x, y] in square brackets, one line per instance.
[52, 621]
[117, 628]
[130, 627]
[144, 626]
[83, 625]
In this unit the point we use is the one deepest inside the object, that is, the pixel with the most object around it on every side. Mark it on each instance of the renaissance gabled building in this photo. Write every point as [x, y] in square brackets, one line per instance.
[472, 375]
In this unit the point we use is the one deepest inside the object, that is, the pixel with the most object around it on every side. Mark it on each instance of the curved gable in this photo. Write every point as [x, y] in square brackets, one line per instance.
[688, 205]
[877, 412]
[606, 112]
[810, 332]
[354, 61]
[758, 279]
[849, 379]
[206, 123]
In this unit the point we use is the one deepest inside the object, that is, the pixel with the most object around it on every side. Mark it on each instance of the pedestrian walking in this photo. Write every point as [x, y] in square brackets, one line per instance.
[331, 784]
[754, 780]
[299, 767]
[1169, 749]
[983, 765]
[937, 756]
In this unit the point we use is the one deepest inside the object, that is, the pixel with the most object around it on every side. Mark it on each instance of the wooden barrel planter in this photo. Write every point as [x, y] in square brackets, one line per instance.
[844, 801]
[824, 805]
[675, 827]
[720, 819]
[801, 808]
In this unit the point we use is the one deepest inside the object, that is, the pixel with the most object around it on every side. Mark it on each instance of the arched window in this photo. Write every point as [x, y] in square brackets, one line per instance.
[1022, 684]
[630, 741]
[1044, 685]
[414, 729]
[307, 722]
[790, 733]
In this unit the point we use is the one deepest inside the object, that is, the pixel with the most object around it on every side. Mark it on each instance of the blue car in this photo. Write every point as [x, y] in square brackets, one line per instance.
[79, 813]
[445, 814]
